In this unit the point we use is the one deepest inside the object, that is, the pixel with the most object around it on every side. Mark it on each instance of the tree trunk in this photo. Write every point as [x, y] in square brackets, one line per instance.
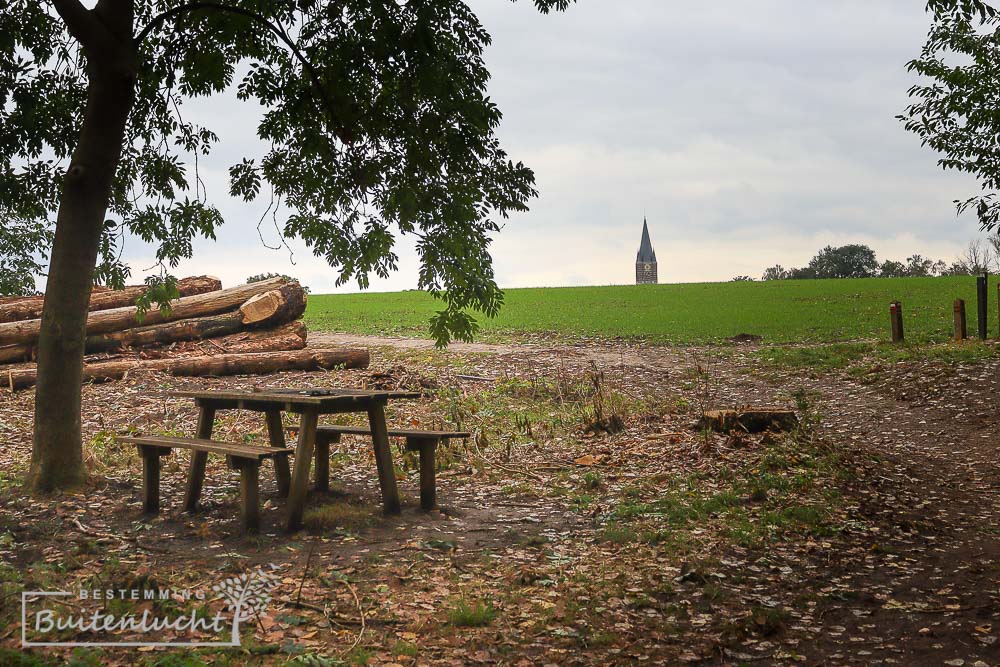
[13, 354]
[30, 308]
[119, 319]
[198, 328]
[106, 35]
[291, 336]
[258, 363]
[224, 333]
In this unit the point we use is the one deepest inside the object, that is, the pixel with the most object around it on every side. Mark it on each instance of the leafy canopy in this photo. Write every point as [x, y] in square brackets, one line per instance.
[374, 111]
[957, 110]
[848, 261]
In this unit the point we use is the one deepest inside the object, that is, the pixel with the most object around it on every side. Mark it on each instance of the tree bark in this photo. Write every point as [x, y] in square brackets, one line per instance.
[106, 34]
[119, 319]
[291, 336]
[258, 363]
[29, 308]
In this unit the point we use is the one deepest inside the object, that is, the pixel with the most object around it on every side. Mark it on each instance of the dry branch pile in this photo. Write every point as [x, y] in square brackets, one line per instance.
[250, 329]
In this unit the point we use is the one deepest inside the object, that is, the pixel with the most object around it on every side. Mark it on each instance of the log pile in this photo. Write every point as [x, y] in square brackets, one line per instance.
[250, 329]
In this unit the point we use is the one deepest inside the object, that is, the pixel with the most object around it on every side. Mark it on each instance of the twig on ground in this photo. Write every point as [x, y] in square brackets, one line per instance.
[478, 453]
[305, 572]
[361, 614]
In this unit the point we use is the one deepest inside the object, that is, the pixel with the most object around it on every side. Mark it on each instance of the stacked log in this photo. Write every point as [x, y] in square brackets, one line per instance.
[249, 329]
[28, 308]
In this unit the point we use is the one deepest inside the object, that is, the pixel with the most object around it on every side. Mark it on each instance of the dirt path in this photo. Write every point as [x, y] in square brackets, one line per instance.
[632, 355]
[923, 589]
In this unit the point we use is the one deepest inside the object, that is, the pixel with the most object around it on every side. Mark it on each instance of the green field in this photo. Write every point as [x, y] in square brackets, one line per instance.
[780, 311]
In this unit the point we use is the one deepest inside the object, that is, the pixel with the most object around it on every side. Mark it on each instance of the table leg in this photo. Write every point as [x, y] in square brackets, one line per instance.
[428, 462]
[196, 471]
[276, 435]
[249, 498]
[322, 464]
[383, 458]
[150, 479]
[300, 474]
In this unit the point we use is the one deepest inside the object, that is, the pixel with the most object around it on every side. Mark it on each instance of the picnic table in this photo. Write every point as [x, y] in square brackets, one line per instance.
[310, 404]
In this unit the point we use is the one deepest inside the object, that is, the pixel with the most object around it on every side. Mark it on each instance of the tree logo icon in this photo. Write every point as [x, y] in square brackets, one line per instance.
[246, 596]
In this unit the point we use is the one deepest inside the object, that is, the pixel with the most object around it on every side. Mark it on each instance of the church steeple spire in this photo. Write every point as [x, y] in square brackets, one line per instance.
[646, 252]
[645, 259]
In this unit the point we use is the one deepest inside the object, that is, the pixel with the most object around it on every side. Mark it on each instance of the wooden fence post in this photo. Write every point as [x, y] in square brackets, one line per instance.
[896, 321]
[961, 330]
[982, 298]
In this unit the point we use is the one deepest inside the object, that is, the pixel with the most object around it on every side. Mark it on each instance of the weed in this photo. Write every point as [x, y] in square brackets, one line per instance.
[103, 452]
[406, 649]
[609, 406]
[592, 481]
[474, 615]
[617, 534]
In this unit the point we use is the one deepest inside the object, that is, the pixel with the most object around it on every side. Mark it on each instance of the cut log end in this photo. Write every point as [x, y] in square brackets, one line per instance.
[286, 303]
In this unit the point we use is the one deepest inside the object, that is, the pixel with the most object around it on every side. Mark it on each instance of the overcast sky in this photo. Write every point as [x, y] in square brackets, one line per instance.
[749, 133]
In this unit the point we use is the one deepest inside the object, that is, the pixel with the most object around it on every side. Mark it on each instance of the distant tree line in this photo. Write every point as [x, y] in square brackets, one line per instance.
[859, 261]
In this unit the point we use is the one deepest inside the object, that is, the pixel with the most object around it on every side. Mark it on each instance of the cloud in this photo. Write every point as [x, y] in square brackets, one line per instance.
[749, 133]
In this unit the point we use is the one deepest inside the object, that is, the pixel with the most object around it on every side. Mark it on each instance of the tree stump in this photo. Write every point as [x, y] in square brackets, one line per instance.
[751, 420]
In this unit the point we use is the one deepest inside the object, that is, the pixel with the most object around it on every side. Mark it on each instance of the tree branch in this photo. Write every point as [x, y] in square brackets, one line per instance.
[160, 19]
[80, 22]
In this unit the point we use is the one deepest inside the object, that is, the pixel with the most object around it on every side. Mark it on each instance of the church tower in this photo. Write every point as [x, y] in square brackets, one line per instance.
[645, 260]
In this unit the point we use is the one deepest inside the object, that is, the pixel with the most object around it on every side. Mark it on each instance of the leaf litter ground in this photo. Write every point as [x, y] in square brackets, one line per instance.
[868, 536]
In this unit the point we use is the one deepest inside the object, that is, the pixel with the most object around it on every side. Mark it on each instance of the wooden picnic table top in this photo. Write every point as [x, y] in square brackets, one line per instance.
[295, 400]
[393, 432]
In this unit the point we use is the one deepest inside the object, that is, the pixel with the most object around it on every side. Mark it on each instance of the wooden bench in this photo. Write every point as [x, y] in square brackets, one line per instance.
[245, 458]
[425, 442]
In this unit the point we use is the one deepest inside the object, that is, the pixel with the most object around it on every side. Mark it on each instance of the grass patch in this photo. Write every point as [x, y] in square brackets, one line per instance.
[617, 534]
[103, 452]
[786, 488]
[781, 311]
[818, 357]
[337, 517]
[861, 358]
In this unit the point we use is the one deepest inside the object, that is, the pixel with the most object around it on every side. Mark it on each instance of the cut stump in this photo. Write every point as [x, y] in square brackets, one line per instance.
[751, 420]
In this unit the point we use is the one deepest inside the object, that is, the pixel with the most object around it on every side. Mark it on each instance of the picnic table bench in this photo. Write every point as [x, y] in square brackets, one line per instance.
[309, 404]
[242, 457]
[424, 442]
